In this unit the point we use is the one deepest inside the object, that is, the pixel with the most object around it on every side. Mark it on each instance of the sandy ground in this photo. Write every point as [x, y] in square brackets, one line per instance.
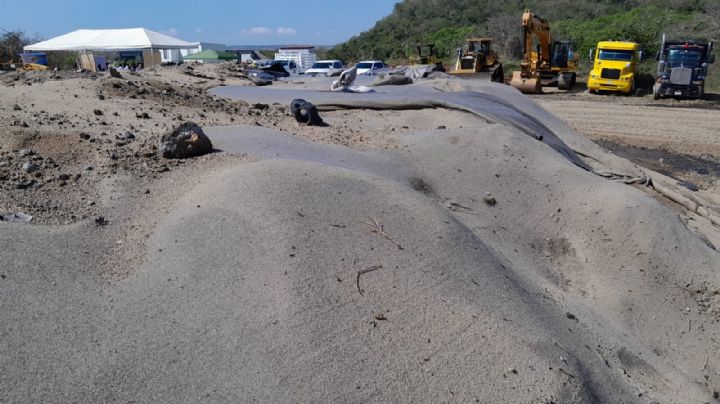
[428, 255]
[671, 127]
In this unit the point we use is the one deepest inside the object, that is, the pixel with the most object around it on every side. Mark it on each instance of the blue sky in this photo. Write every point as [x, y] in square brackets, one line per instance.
[239, 22]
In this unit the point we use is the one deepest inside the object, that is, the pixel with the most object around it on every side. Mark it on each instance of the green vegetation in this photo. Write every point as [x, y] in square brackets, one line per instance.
[12, 43]
[447, 22]
[644, 25]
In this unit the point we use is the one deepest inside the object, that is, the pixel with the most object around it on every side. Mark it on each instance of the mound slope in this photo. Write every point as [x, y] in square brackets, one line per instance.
[473, 263]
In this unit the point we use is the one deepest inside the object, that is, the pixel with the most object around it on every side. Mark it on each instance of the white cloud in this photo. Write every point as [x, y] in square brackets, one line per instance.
[259, 31]
[198, 30]
[285, 31]
[173, 32]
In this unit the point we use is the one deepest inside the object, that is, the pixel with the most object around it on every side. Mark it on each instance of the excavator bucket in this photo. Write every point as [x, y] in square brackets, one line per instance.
[527, 85]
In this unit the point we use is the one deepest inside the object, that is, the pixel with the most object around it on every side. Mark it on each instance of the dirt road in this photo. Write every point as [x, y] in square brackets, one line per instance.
[679, 127]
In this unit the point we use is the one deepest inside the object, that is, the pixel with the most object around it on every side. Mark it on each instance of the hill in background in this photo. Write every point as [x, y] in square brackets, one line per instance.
[446, 23]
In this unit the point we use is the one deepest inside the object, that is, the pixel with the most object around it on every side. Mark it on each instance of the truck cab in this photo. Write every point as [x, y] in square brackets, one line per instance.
[615, 65]
[682, 69]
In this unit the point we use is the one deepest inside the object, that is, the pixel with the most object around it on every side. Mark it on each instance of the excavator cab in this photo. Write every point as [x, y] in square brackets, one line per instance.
[561, 54]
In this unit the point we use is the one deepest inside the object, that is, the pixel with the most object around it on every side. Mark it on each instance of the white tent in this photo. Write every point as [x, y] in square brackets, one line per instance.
[111, 39]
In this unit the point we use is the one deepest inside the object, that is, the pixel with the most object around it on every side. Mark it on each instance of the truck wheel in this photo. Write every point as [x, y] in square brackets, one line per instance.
[498, 75]
[656, 91]
[573, 80]
[564, 82]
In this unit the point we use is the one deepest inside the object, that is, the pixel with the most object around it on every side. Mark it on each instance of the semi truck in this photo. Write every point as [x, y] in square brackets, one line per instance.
[615, 67]
[682, 68]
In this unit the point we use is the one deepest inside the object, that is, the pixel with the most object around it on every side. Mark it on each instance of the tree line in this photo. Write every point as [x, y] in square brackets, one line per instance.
[446, 24]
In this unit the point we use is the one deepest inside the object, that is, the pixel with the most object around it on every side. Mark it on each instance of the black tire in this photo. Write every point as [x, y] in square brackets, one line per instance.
[305, 113]
[573, 81]
[498, 75]
[564, 81]
[561, 85]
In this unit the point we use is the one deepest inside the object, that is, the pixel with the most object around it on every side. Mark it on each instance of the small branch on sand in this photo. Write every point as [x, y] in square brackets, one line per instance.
[364, 271]
[378, 228]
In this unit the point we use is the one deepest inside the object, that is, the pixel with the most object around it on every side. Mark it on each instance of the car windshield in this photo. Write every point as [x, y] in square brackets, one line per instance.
[364, 65]
[616, 54]
[321, 65]
[684, 57]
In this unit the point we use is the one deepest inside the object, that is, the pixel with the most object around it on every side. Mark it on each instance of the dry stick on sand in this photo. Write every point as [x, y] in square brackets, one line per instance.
[378, 228]
[364, 271]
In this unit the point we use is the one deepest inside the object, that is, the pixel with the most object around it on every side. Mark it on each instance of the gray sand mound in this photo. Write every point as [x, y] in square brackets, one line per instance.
[568, 288]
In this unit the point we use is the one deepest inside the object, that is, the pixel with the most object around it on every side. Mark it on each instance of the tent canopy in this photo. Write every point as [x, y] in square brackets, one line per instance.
[211, 54]
[111, 39]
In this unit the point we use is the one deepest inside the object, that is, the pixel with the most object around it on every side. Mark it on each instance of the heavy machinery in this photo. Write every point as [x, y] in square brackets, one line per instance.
[426, 56]
[682, 68]
[552, 60]
[478, 59]
[615, 65]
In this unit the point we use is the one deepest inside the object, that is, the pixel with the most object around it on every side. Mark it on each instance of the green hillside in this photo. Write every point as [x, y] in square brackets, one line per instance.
[447, 22]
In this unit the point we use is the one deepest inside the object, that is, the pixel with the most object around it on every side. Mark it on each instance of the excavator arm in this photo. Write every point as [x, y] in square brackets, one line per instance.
[535, 27]
[550, 58]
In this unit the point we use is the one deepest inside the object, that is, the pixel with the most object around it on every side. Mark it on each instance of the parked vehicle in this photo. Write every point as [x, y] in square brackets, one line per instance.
[479, 60]
[426, 56]
[682, 68]
[325, 68]
[289, 65]
[553, 60]
[370, 67]
[615, 66]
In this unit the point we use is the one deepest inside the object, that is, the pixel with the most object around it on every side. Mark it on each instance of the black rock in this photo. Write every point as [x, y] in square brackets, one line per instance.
[114, 73]
[30, 167]
[187, 140]
[25, 184]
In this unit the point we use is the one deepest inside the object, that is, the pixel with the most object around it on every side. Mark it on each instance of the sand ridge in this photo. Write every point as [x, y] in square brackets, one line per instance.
[505, 273]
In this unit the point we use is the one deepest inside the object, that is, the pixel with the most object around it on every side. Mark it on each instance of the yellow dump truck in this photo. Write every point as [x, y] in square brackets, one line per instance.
[615, 65]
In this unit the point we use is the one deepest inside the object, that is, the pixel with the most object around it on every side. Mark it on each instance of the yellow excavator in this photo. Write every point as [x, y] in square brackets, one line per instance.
[552, 60]
[479, 60]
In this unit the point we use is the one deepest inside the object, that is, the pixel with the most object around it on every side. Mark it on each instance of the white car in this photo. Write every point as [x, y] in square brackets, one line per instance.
[325, 68]
[370, 67]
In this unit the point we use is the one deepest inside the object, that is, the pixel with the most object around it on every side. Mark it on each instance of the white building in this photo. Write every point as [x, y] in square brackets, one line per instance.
[301, 55]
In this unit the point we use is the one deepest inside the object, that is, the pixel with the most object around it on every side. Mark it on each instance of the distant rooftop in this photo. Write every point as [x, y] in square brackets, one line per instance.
[296, 47]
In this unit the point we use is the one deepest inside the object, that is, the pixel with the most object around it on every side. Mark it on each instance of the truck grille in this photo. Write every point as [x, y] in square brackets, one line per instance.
[613, 74]
[681, 76]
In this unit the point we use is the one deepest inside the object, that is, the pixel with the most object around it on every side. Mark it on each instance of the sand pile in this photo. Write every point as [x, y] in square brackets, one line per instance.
[467, 261]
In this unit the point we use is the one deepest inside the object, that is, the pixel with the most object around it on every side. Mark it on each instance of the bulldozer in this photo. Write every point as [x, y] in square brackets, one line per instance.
[552, 60]
[479, 60]
[426, 56]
